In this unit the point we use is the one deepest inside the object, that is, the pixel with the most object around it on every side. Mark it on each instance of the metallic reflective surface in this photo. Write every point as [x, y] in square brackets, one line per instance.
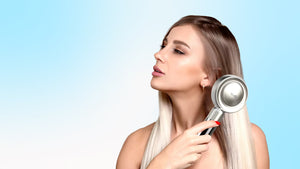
[215, 114]
[229, 94]
[232, 94]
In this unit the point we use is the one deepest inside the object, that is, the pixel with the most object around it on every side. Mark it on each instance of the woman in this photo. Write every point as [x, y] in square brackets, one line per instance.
[195, 52]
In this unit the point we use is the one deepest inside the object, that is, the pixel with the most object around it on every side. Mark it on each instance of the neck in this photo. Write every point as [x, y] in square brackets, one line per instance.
[187, 110]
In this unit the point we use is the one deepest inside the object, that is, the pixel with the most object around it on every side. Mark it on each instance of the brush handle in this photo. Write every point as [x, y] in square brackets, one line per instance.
[215, 114]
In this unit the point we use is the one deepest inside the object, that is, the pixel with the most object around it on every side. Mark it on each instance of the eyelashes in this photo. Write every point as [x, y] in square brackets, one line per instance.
[176, 51]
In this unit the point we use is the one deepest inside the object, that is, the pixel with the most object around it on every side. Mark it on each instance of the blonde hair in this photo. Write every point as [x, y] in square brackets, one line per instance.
[222, 57]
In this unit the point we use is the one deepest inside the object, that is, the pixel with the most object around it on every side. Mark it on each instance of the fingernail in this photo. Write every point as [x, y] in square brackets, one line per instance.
[218, 123]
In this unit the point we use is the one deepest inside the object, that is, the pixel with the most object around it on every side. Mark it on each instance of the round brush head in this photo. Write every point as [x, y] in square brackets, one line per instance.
[229, 93]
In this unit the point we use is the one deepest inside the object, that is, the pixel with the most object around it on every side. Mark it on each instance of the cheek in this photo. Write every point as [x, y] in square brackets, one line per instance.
[187, 72]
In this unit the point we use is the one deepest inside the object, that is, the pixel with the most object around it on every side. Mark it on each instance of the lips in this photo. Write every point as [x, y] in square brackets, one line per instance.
[157, 71]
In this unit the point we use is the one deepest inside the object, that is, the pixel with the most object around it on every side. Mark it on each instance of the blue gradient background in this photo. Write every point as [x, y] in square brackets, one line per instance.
[75, 75]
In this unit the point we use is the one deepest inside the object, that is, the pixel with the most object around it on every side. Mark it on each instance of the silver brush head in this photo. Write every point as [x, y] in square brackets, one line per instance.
[229, 93]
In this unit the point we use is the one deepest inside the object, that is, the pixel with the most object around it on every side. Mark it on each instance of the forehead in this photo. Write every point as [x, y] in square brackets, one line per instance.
[187, 34]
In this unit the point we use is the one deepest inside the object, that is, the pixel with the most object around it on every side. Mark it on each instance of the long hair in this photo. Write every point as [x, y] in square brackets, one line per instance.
[222, 57]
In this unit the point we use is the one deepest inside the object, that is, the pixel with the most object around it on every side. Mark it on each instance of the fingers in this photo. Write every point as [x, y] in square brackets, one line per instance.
[199, 148]
[196, 140]
[202, 126]
[192, 158]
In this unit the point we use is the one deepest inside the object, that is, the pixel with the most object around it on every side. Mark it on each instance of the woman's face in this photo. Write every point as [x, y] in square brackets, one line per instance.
[179, 62]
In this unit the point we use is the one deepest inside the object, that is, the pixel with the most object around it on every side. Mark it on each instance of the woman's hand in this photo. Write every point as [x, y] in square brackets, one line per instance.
[185, 149]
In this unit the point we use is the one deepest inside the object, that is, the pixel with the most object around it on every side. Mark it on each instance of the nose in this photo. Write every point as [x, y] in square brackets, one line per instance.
[159, 56]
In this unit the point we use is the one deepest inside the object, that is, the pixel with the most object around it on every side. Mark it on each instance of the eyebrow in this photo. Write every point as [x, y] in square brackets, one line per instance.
[181, 43]
[178, 42]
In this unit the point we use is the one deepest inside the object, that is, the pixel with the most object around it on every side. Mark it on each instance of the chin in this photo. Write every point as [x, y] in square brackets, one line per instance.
[156, 85]
[159, 86]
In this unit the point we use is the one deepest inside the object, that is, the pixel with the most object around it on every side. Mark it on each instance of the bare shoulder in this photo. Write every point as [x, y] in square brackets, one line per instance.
[133, 148]
[261, 147]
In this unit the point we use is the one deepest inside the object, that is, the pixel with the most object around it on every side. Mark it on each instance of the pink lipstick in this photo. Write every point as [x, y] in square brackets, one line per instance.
[157, 72]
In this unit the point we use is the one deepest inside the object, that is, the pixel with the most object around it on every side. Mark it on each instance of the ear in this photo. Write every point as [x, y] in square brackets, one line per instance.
[204, 82]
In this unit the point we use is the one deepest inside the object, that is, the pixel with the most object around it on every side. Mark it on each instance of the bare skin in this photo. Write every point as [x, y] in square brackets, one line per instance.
[180, 59]
[133, 149]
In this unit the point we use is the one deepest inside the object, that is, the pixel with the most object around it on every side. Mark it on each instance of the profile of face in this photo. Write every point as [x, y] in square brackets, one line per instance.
[180, 61]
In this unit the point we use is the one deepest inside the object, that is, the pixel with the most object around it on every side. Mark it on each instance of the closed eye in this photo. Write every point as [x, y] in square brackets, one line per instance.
[178, 52]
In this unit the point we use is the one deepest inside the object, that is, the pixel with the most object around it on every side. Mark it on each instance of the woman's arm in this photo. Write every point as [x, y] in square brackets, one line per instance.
[261, 148]
[182, 152]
